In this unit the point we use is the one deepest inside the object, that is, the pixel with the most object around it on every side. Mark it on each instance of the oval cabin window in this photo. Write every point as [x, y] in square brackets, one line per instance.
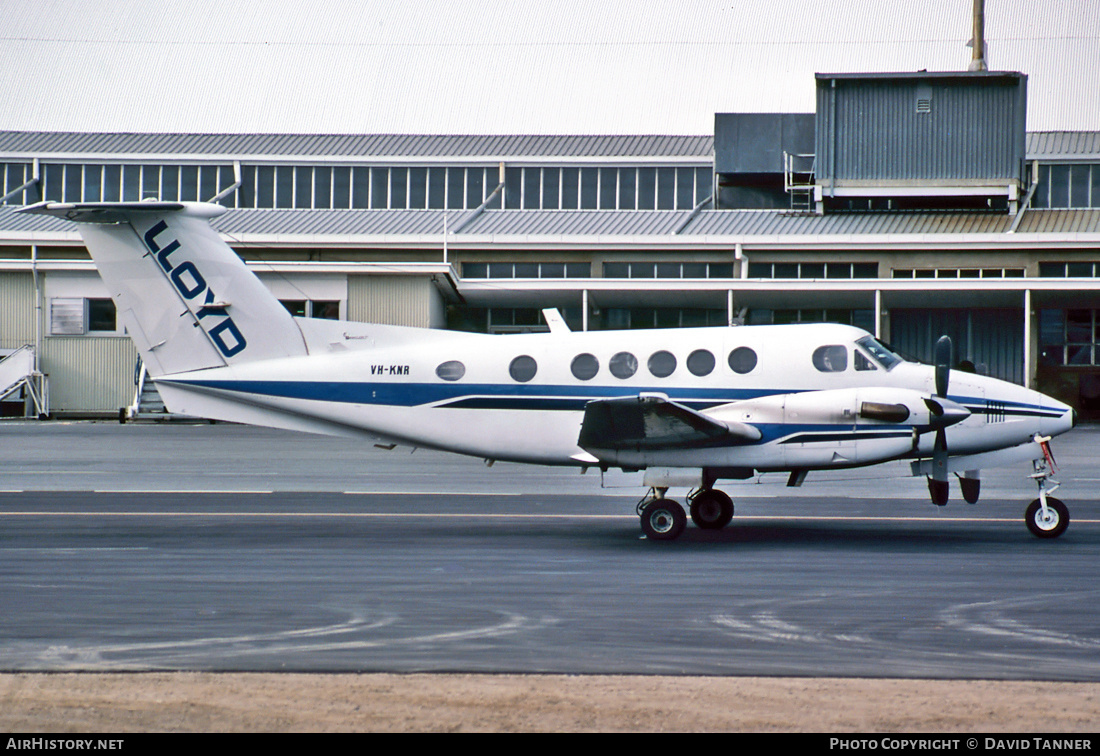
[742, 360]
[662, 364]
[585, 367]
[623, 365]
[523, 368]
[451, 370]
[831, 359]
[700, 362]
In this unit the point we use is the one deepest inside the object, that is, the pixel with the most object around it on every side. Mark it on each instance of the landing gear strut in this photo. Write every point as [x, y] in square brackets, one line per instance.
[1046, 517]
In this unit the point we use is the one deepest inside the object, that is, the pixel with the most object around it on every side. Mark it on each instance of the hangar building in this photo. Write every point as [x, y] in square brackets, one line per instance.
[910, 204]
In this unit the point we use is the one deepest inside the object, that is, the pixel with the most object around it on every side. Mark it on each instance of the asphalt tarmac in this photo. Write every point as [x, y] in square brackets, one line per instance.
[219, 547]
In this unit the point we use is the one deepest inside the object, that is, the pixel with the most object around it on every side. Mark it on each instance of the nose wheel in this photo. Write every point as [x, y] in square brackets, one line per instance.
[1049, 521]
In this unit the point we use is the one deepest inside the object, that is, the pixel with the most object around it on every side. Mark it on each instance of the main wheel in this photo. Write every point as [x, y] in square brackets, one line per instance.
[1053, 524]
[711, 509]
[663, 520]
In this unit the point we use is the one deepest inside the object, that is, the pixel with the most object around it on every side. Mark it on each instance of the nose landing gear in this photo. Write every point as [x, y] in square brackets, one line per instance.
[1046, 517]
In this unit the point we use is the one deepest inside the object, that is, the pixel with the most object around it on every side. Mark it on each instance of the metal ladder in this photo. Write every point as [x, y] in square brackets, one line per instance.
[17, 371]
[798, 180]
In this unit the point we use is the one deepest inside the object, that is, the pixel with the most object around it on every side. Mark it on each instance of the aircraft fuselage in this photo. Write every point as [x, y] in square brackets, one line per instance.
[522, 397]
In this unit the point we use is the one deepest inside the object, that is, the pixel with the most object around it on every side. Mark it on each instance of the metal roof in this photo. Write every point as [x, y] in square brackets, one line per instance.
[599, 227]
[237, 146]
[1041, 145]
[1063, 145]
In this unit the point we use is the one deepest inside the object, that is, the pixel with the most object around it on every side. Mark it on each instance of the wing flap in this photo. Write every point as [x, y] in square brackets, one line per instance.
[652, 421]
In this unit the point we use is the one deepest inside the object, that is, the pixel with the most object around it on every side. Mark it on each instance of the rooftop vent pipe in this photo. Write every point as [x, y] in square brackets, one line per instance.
[977, 42]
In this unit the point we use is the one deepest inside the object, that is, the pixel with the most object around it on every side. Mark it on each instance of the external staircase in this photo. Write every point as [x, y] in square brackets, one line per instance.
[147, 404]
[18, 371]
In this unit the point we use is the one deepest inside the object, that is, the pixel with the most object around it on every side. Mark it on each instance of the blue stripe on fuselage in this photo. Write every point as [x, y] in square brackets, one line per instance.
[524, 396]
[468, 396]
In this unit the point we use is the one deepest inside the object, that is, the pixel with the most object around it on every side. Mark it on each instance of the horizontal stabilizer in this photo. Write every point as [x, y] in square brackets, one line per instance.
[117, 212]
[652, 421]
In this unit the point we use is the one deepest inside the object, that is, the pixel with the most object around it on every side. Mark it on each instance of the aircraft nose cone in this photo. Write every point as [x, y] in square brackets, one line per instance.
[1074, 418]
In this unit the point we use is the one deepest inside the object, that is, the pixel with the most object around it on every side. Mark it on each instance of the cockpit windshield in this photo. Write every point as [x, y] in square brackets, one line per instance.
[882, 354]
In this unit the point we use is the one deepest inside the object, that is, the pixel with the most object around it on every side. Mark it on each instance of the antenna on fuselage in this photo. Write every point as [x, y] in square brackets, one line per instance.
[555, 321]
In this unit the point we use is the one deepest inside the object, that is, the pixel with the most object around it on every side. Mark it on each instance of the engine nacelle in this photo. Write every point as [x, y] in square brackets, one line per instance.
[843, 427]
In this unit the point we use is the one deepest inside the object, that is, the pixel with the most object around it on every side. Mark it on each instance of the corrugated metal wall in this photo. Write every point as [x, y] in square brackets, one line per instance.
[89, 374]
[966, 127]
[16, 310]
[990, 337]
[395, 300]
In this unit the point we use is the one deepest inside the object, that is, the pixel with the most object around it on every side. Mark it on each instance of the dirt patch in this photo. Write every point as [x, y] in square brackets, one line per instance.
[207, 702]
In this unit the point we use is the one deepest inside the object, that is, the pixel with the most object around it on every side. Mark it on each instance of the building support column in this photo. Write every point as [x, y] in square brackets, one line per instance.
[729, 307]
[1027, 338]
[584, 310]
[878, 313]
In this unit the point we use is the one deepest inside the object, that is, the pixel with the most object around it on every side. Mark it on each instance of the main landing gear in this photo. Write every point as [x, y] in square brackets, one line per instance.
[664, 519]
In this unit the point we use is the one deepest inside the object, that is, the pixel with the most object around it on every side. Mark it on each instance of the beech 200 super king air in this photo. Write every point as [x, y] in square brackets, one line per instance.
[688, 406]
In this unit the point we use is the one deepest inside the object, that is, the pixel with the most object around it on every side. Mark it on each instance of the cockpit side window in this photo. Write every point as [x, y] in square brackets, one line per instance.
[831, 359]
[863, 362]
[879, 352]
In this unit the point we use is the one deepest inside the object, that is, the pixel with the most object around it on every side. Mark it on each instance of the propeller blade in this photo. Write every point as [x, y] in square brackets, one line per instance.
[938, 490]
[944, 413]
[943, 365]
[937, 484]
[939, 456]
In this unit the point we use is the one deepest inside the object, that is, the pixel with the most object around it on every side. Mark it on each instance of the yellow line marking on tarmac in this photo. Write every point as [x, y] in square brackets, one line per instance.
[175, 491]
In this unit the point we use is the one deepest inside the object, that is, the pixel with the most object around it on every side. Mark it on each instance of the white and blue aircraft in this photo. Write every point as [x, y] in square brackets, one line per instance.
[688, 406]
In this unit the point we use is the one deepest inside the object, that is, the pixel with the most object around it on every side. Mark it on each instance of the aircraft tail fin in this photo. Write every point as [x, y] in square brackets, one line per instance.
[187, 300]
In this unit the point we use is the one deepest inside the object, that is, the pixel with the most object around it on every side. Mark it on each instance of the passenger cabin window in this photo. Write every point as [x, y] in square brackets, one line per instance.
[523, 368]
[742, 360]
[700, 362]
[585, 367]
[662, 364]
[451, 370]
[831, 359]
[623, 365]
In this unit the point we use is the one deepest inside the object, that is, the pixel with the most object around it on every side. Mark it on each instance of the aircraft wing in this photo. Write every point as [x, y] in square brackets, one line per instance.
[652, 421]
